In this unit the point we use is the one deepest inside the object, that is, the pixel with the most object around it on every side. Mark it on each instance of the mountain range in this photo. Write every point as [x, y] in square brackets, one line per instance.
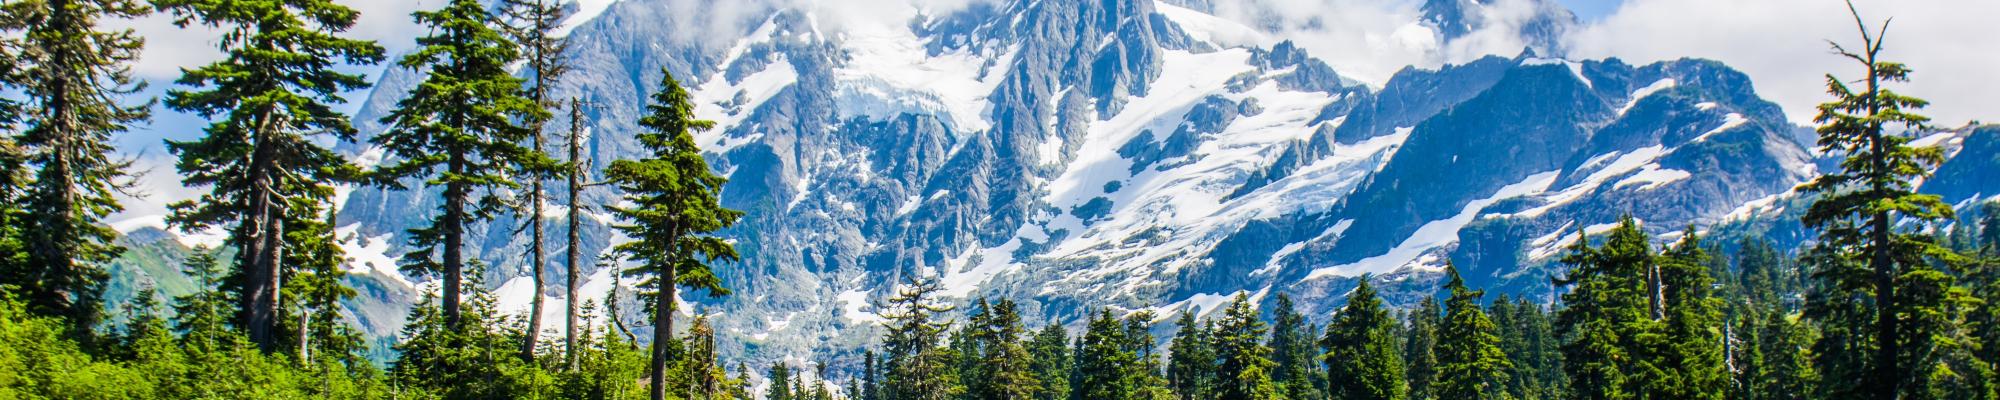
[1130, 154]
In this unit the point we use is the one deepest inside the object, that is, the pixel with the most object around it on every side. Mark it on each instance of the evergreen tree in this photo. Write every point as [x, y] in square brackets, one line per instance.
[1049, 357]
[1005, 368]
[676, 209]
[1293, 352]
[1470, 364]
[71, 71]
[917, 368]
[1244, 365]
[318, 291]
[1143, 375]
[267, 98]
[1528, 337]
[532, 24]
[1909, 312]
[1689, 349]
[1786, 369]
[1606, 309]
[871, 378]
[1362, 358]
[457, 130]
[1984, 279]
[202, 316]
[781, 387]
[1420, 348]
[1103, 358]
[1191, 363]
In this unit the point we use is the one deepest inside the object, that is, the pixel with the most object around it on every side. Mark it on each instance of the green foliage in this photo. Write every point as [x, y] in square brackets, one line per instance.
[1527, 335]
[1049, 361]
[1191, 368]
[268, 97]
[1244, 370]
[917, 367]
[1112, 361]
[1363, 360]
[1294, 354]
[676, 210]
[1005, 369]
[72, 73]
[1605, 311]
[1470, 364]
[1892, 318]
[1420, 348]
[457, 130]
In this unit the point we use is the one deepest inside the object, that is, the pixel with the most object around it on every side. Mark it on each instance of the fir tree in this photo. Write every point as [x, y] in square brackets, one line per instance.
[1049, 357]
[1243, 370]
[267, 98]
[1786, 369]
[781, 387]
[1006, 366]
[1606, 309]
[676, 210]
[318, 291]
[1420, 348]
[1293, 352]
[202, 316]
[1362, 358]
[532, 24]
[1909, 309]
[1103, 359]
[1191, 363]
[1470, 364]
[71, 71]
[457, 131]
[917, 368]
[1689, 349]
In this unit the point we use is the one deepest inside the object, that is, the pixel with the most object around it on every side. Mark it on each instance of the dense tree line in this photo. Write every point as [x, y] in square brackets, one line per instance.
[1899, 296]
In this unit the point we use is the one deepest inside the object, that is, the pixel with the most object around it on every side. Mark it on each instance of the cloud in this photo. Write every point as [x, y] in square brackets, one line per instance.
[1367, 40]
[1782, 45]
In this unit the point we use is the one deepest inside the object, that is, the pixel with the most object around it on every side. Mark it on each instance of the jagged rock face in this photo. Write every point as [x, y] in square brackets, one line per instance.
[1074, 155]
[1970, 174]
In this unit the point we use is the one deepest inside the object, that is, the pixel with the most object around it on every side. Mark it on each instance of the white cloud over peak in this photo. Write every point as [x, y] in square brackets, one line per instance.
[1782, 45]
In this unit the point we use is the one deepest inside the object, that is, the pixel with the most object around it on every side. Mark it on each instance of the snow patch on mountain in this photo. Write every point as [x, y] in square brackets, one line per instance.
[729, 103]
[367, 254]
[1434, 234]
[1211, 29]
[888, 71]
[212, 238]
[1662, 84]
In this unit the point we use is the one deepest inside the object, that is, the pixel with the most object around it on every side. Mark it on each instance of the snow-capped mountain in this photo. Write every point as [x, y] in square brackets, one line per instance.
[1132, 154]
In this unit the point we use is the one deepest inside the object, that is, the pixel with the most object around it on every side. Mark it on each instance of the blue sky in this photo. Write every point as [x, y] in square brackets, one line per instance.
[1591, 10]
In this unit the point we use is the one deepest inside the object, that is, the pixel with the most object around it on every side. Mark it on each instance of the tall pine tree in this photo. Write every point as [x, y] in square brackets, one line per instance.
[533, 24]
[1293, 352]
[1049, 357]
[917, 367]
[676, 209]
[72, 72]
[1882, 295]
[1362, 357]
[1244, 365]
[1607, 307]
[1191, 362]
[457, 131]
[267, 97]
[1420, 348]
[1470, 364]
